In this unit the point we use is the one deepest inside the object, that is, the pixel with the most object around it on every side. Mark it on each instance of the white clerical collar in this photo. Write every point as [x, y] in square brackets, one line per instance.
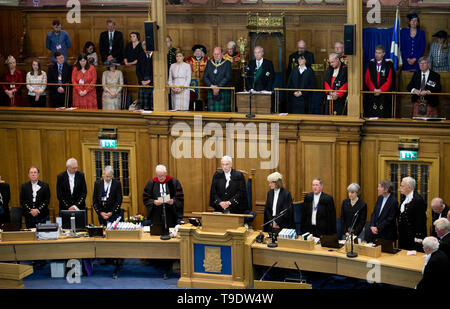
[34, 183]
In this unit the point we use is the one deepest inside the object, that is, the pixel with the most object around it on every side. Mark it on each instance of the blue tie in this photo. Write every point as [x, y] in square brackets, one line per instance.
[110, 41]
[60, 73]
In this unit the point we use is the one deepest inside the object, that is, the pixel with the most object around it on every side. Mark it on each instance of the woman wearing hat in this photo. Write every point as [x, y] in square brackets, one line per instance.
[412, 43]
[278, 199]
[112, 94]
[439, 58]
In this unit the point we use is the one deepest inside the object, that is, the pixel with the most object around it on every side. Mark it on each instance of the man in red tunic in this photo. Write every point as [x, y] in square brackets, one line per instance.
[379, 77]
[198, 64]
[336, 79]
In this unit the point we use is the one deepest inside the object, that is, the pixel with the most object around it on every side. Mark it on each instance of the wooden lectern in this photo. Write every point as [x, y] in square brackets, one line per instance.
[217, 254]
[261, 103]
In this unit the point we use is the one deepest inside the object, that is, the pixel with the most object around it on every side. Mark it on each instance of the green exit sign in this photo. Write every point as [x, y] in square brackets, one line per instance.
[408, 155]
[108, 143]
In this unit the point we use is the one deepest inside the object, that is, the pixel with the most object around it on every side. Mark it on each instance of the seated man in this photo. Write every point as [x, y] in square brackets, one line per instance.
[421, 85]
[34, 199]
[319, 212]
[107, 197]
[336, 79]
[260, 74]
[379, 77]
[436, 272]
[156, 189]
[71, 187]
[228, 193]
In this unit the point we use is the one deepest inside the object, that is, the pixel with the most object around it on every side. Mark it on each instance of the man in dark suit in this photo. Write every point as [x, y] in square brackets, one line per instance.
[5, 196]
[278, 199]
[228, 193]
[71, 188]
[107, 198]
[423, 83]
[442, 227]
[319, 212]
[439, 210]
[60, 73]
[144, 72]
[436, 272]
[34, 199]
[336, 79]
[218, 73]
[111, 43]
[383, 221]
[412, 222]
[260, 73]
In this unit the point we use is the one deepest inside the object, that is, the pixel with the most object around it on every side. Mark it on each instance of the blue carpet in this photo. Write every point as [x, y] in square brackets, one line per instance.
[133, 275]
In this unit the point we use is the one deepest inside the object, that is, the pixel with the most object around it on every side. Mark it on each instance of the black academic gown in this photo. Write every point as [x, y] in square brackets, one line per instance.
[235, 193]
[339, 83]
[67, 199]
[58, 99]
[4, 204]
[262, 80]
[41, 203]
[117, 46]
[357, 212]
[174, 212]
[325, 217]
[436, 274]
[412, 223]
[386, 222]
[284, 202]
[306, 80]
[293, 61]
[379, 106]
[444, 244]
[114, 201]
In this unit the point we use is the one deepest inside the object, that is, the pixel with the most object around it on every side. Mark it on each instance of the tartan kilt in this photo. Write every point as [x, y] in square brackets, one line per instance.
[145, 97]
[223, 105]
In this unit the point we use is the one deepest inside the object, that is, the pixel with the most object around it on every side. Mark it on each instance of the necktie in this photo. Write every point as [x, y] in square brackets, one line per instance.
[110, 42]
[422, 85]
[60, 73]
[258, 64]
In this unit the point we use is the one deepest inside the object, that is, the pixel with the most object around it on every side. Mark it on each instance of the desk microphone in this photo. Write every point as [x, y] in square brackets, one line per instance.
[268, 270]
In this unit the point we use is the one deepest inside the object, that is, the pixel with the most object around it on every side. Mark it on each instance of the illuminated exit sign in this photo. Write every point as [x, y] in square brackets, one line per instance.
[408, 155]
[108, 143]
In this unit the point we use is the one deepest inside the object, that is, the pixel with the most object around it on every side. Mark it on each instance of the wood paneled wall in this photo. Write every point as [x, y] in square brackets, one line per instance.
[309, 147]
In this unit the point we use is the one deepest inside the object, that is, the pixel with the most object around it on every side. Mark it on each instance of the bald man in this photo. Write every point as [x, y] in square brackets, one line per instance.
[260, 73]
[218, 74]
[293, 58]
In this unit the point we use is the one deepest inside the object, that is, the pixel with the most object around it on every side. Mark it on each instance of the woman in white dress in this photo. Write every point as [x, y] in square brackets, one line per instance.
[180, 75]
[112, 95]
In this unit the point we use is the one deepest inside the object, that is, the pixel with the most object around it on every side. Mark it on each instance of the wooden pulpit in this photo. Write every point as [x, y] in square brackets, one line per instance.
[217, 254]
[261, 102]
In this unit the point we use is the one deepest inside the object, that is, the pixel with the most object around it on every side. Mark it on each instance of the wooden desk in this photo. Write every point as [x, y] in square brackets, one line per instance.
[149, 247]
[397, 269]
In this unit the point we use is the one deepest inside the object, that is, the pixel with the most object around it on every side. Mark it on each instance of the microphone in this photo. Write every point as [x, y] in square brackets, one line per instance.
[265, 273]
[301, 276]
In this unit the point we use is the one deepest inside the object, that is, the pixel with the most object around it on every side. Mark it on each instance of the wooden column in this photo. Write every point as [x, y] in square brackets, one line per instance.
[160, 99]
[354, 16]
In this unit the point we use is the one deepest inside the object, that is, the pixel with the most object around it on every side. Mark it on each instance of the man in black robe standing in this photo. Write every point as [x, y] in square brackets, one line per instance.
[161, 192]
[228, 192]
[379, 77]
